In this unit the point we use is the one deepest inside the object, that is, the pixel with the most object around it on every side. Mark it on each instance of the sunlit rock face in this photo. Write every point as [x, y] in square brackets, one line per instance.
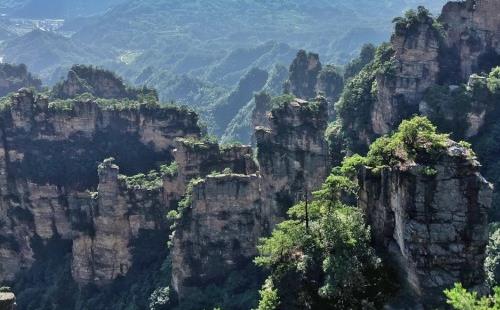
[48, 175]
[292, 153]
[229, 212]
[464, 40]
[432, 225]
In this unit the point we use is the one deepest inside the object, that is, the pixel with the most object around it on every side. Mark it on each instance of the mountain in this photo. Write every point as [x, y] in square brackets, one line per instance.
[55, 9]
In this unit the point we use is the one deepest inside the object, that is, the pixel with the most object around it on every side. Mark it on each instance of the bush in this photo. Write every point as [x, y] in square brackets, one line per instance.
[321, 257]
[460, 299]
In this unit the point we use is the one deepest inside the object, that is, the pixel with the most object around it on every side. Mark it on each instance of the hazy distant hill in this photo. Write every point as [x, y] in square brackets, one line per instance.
[42, 9]
[196, 51]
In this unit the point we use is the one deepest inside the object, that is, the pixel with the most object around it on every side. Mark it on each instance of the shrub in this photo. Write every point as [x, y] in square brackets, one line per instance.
[460, 299]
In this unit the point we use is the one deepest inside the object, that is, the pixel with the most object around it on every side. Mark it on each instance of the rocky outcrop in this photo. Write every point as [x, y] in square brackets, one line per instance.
[118, 213]
[292, 153]
[229, 211]
[48, 169]
[7, 301]
[415, 69]
[464, 40]
[430, 220]
[199, 158]
[304, 72]
[99, 83]
[472, 32]
[15, 77]
[219, 232]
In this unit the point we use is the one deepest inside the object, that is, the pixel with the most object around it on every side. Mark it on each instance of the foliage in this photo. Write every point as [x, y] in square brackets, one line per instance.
[160, 298]
[325, 248]
[269, 299]
[492, 262]
[356, 65]
[239, 290]
[460, 299]
[414, 138]
[176, 215]
[151, 181]
[359, 95]
[170, 170]
[412, 19]
[493, 81]
[279, 102]
[6, 102]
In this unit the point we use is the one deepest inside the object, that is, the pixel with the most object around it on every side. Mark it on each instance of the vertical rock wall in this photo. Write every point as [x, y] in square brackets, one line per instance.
[433, 227]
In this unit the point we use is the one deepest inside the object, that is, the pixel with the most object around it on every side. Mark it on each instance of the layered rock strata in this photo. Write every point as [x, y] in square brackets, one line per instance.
[48, 164]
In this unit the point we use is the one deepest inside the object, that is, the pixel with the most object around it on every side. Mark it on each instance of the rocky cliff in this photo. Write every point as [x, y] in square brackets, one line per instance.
[226, 212]
[99, 83]
[292, 152]
[15, 77]
[430, 218]
[427, 51]
[49, 154]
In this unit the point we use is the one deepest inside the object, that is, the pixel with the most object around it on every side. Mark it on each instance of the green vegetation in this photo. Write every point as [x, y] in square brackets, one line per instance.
[492, 262]
[6, 102]
[280, 102]
[412, 19]
[151, 181]
[321, 256]
[170, 170]
[269, 299]
[415, 138]
[359, 95]
[356, 65]
[460, 299]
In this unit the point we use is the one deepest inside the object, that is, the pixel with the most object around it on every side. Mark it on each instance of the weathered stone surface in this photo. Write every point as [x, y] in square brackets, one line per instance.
[15, 77]
[433, 227]
[292, 154]
[219, 231]
[304, 72]
[473, 32]
[416, 61]
[228, 213]
[48, 161]
[119, 214]
[200, 158]
[469, 42]
[7, 301]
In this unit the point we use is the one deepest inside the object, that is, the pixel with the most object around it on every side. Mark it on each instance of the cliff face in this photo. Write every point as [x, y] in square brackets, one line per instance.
[304, 72]
[48, 157]
[416, 68]
[13, 78]
[292, 153]
[117, 214]
[308, 79]
[472, 31]
[220, 231]
[7, 301]
[462, 41]
[228, 212]
[433, 226]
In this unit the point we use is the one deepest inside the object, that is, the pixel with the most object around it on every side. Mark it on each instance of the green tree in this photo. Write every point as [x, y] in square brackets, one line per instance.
[269, 299]
[327, 262]
[460, 299]
[492, 262]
